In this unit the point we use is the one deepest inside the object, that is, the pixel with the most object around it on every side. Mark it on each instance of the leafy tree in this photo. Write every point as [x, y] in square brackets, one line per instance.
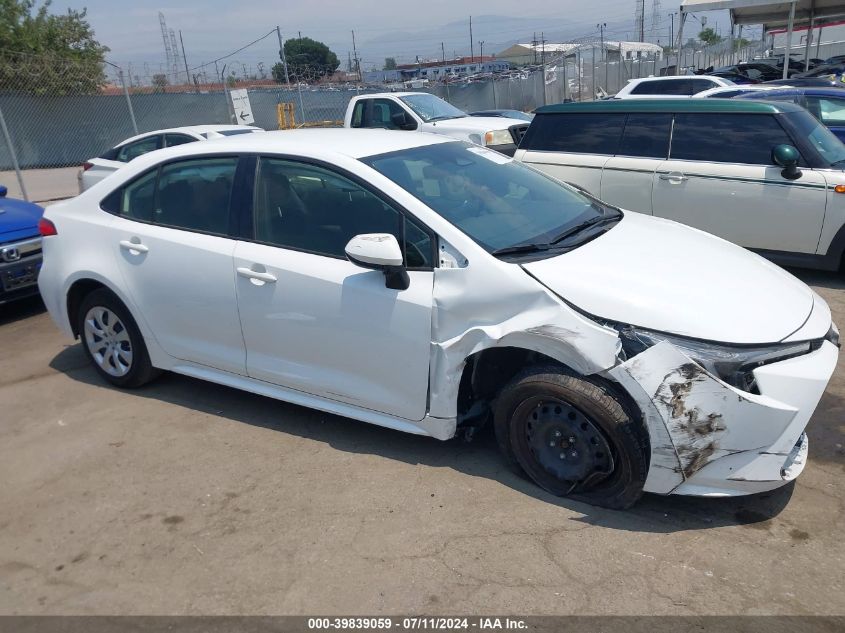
[389, 63]
[308, 58]
[278, 72]
[709, 36]
[159, 82]
[44, 53]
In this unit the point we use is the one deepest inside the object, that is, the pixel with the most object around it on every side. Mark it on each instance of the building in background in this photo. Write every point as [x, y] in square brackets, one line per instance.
[529, 54]
[439, 70]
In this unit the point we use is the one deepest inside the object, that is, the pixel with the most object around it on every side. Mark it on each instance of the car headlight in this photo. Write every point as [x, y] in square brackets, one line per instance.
[498, 137]
[734, 364]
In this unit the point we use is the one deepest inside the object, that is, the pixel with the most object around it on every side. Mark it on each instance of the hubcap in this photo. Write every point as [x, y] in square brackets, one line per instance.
[566, 443]
[108, 341]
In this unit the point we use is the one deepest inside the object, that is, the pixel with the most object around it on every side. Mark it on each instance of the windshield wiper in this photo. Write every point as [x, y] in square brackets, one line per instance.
[521, 248]
[447, 116]
[601, 219]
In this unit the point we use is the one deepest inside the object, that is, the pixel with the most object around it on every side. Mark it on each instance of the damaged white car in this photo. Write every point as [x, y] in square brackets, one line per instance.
[429, 285]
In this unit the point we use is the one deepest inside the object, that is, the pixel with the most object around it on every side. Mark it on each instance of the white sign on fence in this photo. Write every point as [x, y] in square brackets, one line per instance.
[243, 110]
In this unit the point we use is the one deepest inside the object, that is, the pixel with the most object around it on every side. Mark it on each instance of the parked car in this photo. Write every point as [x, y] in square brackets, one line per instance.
[20, 247]
[736, 78]
[728, 92]
[832, 72]
[424, 112]
[764, 175]
[826, 104]
[95, 169]
[508, 114]
[430, 285]
[756, 72]
[661, 87]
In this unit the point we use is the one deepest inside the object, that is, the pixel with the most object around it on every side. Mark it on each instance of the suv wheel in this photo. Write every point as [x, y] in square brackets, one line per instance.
[573, 437]
[112, 340]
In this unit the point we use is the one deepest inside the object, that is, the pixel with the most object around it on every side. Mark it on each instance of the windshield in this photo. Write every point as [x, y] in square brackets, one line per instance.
[498, 202]
[830, 148]
[431, 108]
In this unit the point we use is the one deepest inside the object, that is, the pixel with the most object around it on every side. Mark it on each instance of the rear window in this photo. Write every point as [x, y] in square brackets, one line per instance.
[575, 132]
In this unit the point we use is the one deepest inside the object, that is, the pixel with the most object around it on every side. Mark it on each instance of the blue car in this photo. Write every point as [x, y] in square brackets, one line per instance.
[20, 248]
[826, 104]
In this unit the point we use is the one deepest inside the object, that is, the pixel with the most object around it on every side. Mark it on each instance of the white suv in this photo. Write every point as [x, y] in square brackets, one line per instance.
[430, 285]
[662, 87]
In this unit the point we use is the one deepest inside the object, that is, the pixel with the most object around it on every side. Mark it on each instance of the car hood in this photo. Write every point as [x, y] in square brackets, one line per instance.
[665, 276]
[478, 123]
[17, 216]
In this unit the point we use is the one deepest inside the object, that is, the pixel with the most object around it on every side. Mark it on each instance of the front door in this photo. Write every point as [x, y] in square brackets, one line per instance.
[315, 322]
[720, 179]
[171, 244]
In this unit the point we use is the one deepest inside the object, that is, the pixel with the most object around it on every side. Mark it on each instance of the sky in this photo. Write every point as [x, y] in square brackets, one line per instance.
[214, 28]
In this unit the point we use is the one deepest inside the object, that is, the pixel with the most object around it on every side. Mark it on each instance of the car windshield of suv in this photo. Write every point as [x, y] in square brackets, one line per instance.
[505, 206]
[431, 108]
[823, 140]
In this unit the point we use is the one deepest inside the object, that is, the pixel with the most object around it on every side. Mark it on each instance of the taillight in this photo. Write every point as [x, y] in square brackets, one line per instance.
[86, 166]
[46, 228]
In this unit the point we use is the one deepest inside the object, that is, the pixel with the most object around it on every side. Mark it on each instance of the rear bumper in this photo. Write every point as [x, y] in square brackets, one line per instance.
[710, 439]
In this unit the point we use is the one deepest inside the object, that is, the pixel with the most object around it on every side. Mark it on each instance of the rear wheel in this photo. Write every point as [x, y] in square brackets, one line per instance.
[573, 437]
[112, 340]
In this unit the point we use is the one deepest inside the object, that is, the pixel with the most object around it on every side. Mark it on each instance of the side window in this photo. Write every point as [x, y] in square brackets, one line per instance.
[576, 132]
[695, 86]
[135, 149]
[665, 87]
[358, 113]
[727, 138]
[194, 194]
[136, 200]
[383, 111]
[171, 140]
[312, 209]
[830, 111]
[646, 135]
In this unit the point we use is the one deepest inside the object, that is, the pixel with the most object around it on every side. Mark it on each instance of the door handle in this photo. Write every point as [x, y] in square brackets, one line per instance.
[133, 247]
[674, 176]
[252, 274]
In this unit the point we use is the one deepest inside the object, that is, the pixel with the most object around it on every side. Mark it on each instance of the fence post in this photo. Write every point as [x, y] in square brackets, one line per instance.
[564, 80]
[128, 101]
[13, 155]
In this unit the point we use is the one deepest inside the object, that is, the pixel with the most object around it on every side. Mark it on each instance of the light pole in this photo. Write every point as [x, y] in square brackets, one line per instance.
[481, 47]
[601, 27]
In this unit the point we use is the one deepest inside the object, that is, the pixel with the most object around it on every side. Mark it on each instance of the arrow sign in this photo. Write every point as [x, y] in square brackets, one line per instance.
[243, 109]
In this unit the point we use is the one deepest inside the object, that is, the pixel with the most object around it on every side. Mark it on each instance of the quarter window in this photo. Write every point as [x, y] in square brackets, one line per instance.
[312, 209]
[727, 138]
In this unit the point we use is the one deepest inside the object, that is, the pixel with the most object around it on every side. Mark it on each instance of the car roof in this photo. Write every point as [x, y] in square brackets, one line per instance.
[672, 105]
[394, 94]
[816, 91]
[196, 129]
[316, 142]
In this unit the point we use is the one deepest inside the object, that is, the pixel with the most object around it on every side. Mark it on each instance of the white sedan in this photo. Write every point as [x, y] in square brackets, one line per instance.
[95, 169]
[431, 286]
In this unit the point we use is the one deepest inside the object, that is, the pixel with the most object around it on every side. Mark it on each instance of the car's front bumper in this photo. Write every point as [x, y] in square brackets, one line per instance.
[711, 439]
[19, 277]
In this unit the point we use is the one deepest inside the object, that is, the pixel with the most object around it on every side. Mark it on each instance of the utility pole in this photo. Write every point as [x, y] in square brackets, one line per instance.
[602, 27]
[543, 52]
[471, 49]
[443, 51]
[282, 54]
[642, 20]
[481, 52]
[357, 61]
[534, 46]
[184, 59]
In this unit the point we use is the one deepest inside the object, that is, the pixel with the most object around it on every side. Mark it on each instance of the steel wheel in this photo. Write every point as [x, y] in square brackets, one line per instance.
[108, 341]
[564, 442]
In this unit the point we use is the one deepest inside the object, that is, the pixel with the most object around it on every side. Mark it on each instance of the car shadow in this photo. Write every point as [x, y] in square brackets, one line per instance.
[21, 309]
[479, 458]
[834, 280]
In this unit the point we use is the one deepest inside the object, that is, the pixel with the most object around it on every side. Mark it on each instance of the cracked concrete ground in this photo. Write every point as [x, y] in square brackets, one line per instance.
[187, 498]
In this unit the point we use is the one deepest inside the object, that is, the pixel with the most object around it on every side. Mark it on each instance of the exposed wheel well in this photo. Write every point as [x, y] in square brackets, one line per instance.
[484, 375]
[78, 291]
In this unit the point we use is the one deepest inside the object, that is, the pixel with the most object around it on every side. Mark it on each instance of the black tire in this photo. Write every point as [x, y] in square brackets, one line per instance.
[537, 405]
[139, 370]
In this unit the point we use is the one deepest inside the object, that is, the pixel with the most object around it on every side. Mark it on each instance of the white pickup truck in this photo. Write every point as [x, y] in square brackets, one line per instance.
[424, 112]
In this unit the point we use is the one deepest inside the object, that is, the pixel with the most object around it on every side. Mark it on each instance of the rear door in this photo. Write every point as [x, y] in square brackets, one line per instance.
[626, 180]
[573, 147]
[720, 178]
[171, 242]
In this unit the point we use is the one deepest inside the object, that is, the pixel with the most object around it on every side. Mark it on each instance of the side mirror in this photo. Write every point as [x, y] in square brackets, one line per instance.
[403, 121]
[787, 156]
[380, 251]
[3, 191]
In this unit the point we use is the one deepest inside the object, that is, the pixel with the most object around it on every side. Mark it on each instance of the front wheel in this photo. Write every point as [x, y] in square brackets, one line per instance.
[573, 437]
[112, 340]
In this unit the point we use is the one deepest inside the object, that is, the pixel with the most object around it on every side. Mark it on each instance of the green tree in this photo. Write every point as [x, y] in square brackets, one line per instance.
[709, 36]
[308, 58]
[45, 53]
[278, 72]
[389, 63]
[159, 82]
